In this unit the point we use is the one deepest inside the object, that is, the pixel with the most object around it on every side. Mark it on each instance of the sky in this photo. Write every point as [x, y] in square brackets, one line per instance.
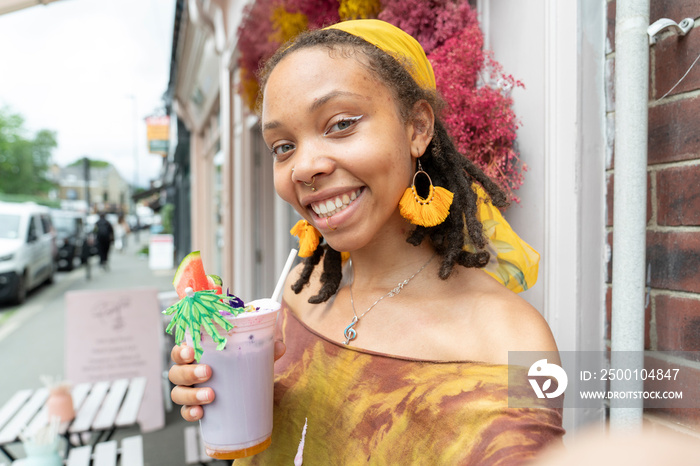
[90, 70]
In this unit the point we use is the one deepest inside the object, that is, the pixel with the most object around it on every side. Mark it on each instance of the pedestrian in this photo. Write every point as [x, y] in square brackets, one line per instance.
[121, 229]
[104, 234]
[414, 373]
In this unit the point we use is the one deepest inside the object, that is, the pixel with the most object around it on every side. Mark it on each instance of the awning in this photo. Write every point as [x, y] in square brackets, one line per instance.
[151, 197]
[8, 6]
[147, 193]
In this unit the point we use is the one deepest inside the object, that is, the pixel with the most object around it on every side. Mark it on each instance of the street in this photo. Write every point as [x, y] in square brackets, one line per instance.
[32, 336]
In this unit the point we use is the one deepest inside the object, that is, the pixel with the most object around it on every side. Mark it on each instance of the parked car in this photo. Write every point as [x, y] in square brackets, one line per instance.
[71, 238]
[27, 249]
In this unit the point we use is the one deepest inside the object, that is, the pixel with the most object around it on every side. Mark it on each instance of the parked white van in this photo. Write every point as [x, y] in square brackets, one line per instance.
[27, 249]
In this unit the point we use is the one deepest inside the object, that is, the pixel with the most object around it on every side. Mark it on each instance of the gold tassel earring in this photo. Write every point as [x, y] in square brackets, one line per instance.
[429, 211]
[308, 235]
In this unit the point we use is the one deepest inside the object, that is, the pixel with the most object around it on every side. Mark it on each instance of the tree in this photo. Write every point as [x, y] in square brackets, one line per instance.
[24, 159]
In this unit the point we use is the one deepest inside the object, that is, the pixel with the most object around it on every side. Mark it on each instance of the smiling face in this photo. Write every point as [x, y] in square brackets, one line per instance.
[331, 122]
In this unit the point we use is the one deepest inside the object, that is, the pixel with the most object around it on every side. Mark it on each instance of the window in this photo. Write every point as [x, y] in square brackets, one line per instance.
[9, 226]
[46, 223]
[31, 232]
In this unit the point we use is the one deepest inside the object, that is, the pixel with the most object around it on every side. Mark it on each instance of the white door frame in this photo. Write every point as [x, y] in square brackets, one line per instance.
[557, 48]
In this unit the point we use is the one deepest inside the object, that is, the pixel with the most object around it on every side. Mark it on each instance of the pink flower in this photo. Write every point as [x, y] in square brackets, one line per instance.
[430, 22]
[479, 117]
[320, 13]
[256, 33]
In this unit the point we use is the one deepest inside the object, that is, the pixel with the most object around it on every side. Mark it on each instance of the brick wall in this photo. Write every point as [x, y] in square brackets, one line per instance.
[673, 198]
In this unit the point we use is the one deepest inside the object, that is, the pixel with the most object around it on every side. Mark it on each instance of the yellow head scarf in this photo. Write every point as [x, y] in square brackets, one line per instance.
[396, 43]
[513, 262]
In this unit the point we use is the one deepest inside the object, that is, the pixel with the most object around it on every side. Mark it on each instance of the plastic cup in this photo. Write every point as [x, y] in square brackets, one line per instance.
[238, 423]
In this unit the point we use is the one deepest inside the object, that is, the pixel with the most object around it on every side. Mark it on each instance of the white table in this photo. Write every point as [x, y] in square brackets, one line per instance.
[108, 453]
[100, 408]
[104, 454]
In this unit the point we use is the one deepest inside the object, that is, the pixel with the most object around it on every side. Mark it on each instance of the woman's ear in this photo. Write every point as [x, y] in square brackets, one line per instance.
[421, 127]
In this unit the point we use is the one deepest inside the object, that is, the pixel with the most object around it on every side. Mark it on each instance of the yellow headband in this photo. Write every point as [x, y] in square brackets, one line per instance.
[396, 43]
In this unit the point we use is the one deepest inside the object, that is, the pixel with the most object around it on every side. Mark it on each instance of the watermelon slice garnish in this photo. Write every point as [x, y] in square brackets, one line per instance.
[190, 274]
[214, 282]
[201, 305]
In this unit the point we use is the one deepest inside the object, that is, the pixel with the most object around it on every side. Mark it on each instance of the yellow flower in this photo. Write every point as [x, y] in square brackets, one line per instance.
[358, 9]
[248, 90]
[287, 25]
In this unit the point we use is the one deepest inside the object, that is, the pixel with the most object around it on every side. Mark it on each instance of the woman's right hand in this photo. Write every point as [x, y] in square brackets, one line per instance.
[184, 374]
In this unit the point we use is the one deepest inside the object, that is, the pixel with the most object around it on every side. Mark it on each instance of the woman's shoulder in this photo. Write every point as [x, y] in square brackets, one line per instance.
[498, 320]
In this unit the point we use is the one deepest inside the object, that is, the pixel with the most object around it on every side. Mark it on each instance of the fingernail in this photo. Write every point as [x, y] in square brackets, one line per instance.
[200, 372]
[185, 352]
[203, 395]
[193, 412]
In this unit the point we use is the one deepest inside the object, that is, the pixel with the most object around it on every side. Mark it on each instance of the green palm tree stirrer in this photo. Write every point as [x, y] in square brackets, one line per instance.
[197, 309]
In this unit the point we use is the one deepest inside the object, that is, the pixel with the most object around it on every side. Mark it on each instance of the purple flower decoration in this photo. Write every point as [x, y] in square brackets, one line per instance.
[235, 301]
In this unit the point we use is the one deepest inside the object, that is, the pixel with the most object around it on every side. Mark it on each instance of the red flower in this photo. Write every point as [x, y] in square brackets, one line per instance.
[432, 22]
[320, 13]
[479, 116]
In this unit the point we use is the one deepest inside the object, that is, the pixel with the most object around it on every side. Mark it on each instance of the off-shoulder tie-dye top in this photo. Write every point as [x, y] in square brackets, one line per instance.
[370, 408]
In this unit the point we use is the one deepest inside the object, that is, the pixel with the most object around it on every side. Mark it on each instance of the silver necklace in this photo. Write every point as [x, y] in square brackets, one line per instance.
[350, 333]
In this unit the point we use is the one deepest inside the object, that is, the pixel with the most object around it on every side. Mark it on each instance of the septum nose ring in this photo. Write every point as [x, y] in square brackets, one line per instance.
[310, 185]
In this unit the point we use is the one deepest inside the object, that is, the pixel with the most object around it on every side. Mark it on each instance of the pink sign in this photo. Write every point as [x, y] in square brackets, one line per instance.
[115, 334]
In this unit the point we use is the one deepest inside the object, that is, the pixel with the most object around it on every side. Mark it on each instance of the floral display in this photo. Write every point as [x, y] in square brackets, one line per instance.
[480, 117]
[320, 13]
[479, 112]
[253, 46]
[430, 22]
[358, 9]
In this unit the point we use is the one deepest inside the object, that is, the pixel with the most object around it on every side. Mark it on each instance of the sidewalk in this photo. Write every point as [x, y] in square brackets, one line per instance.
[32, 337]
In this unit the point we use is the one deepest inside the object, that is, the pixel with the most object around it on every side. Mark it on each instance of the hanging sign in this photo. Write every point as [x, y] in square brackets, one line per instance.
[158, 134]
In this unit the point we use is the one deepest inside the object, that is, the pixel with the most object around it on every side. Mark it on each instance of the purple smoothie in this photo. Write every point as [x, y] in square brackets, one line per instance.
[238, 422]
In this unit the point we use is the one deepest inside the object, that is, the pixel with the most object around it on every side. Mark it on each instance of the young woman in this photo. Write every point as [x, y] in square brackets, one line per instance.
[398, 355]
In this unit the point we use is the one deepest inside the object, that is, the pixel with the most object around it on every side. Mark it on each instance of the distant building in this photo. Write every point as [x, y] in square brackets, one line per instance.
[108, 190]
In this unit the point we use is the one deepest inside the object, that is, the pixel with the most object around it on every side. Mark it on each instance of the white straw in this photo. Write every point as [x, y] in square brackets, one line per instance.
[285, 271]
